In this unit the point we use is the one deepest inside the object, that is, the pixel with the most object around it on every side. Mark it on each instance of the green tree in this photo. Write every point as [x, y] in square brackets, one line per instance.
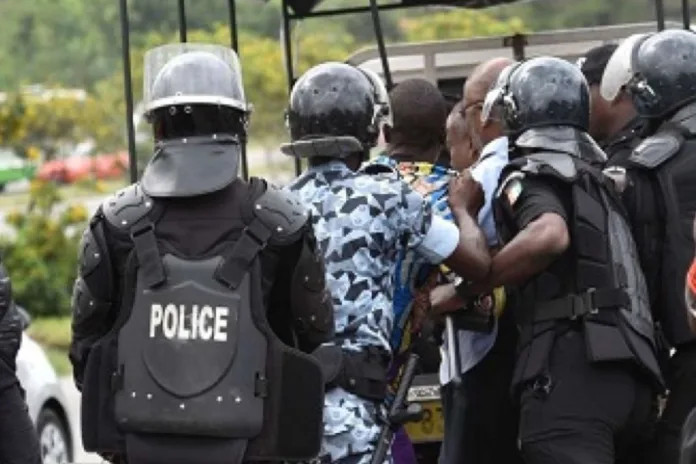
[48, 119]
[263, 70]
[42, 258]
[458, 23]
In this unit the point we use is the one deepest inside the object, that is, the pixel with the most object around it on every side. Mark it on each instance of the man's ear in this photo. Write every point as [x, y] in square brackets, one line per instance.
[386, 132]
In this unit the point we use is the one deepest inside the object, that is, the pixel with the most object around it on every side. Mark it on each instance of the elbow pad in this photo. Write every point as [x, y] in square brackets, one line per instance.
[310, 301]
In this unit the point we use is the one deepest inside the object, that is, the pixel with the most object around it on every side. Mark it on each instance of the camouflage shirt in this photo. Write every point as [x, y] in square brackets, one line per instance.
[414, 273]
[362, 223]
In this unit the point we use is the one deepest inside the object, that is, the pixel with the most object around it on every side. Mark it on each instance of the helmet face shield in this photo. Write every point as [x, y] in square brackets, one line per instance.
[496, 94]
[190, 74]
[383, 111]
[619, 70]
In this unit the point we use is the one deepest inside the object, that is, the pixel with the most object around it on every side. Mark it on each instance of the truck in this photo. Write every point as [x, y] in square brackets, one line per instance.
[447, 64]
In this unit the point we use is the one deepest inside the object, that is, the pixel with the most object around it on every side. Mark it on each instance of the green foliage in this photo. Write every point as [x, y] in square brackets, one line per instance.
[45, 120]
[51, 332]
[74, 43]
[42, 257]
[458, 23]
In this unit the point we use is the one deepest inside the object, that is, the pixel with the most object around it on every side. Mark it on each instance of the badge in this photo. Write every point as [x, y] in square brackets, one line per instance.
[513, 191]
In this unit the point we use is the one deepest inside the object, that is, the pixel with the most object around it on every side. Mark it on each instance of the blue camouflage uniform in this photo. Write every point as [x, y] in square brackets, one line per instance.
[412, 270]
[414, 276]
[363, 223]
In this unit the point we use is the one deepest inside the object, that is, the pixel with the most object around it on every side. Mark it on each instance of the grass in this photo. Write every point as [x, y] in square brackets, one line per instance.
[53, 334]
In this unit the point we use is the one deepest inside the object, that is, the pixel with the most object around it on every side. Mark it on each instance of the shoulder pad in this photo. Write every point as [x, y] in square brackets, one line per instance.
[559, 165]
[281, 212]
[126, 207]
[655, 150]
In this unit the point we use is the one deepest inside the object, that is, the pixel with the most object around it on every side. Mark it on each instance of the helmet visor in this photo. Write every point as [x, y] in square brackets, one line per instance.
[383, 110]
[619, 70]
[189, 74]
[495, 94]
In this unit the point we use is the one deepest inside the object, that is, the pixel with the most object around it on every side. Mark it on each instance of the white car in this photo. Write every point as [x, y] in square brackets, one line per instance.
[47, 404]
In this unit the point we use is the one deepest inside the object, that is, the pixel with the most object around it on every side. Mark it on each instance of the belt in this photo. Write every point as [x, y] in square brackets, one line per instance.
[363, 373]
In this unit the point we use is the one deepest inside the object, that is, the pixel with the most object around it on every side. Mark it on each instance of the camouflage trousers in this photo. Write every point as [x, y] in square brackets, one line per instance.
[351, 429]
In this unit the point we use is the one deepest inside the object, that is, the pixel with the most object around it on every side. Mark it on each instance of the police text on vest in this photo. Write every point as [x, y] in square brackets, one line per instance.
[198, 322]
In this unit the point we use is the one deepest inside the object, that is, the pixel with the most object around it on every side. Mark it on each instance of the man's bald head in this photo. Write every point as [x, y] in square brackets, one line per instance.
[483, 77]
[475, 90]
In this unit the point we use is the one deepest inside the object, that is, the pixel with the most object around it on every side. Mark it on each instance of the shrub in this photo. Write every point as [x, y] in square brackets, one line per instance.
[42, 257]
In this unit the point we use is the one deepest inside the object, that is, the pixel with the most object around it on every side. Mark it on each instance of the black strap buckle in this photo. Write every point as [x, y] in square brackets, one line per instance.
[139, 231]
[584, 304]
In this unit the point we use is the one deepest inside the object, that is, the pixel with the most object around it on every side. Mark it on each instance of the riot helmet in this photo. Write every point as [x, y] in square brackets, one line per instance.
[658, 71]
[335, 110]
[540, 92]
[194, 90]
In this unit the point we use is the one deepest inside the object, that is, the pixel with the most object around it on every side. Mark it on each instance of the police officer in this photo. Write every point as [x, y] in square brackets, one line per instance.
[363, 222]
[615, 124]
[199, 292]
[586, 367]
[658, 71]
[18, 441]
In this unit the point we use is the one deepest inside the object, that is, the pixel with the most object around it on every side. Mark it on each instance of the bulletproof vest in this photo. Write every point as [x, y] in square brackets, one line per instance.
[605, 279]
[668, 158]
[196, 355]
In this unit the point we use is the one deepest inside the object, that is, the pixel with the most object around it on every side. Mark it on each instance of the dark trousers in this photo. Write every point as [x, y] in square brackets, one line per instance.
[681, 381]
[480, 417]
[583, 413]
[18, 441]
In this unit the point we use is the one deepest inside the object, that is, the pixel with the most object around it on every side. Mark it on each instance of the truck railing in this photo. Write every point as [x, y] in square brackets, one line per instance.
[453, 59]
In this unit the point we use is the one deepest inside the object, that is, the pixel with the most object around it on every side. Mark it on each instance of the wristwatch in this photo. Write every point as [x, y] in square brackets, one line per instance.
[462, 287]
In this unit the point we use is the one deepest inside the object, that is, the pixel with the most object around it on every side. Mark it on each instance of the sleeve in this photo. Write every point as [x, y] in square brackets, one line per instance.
[300, 283]
[92, 296]
[526, 199]
[432, 237]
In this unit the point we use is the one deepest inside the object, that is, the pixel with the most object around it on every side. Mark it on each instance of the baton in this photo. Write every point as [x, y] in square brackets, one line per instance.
[399, 413]
[453, 360]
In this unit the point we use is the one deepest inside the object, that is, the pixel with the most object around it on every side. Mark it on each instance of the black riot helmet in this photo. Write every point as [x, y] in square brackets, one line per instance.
[336, 110]
[539, 92]
[658, 70]
[194, 90]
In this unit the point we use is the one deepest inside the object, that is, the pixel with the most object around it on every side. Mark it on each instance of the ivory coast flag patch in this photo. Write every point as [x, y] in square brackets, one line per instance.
[513, 191]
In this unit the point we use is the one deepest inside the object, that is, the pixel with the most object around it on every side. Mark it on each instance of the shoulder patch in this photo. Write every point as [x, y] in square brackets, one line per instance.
[282, 212]
[655, 150]
[127, 206]
[513, 191]
[507, 180]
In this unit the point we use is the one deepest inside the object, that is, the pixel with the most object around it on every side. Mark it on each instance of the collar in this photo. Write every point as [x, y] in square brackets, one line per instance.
[405, 168]
[633, 128]
[333, 165]
[496, 147]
